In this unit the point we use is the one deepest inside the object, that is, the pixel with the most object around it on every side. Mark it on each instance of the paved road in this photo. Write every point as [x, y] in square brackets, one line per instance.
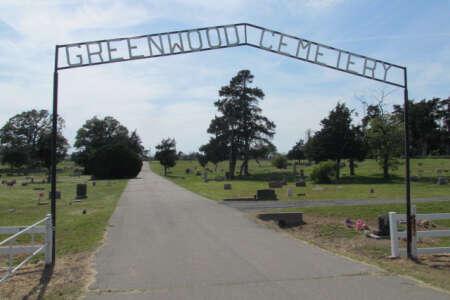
[167, 243]
[270, 205]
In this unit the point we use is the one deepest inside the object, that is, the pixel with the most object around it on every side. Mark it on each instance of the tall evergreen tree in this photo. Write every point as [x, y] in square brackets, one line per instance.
[335, 139]
[240, 124]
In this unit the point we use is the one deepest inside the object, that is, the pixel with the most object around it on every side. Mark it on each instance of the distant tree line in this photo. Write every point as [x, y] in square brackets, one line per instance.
[379, 136]
[104, 147]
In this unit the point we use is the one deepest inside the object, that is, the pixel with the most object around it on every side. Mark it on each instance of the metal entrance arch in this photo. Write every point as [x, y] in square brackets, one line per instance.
[83, 54]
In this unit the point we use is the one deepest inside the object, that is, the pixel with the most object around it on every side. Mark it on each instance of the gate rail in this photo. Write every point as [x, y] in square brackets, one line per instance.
[9, 249]
[395, 235]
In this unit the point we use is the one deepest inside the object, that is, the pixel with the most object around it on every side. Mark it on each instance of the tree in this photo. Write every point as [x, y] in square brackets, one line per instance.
[425, 122]
[357, 150]
[262, 151]
[335, 140]
[215, 151]
[20, 136]
[166, 153]
[202, 160]
[297, 152]
[384, 136]
[115, 161]
[240, 124]
[15, 157]
[45, 150]
[97, 133]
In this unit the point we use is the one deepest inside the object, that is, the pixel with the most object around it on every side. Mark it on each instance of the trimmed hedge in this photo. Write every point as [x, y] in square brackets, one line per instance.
[115, 161]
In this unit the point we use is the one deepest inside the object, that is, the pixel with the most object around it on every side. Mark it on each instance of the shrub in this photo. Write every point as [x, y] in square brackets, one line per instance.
[114, 162]
[324, 172]
[280, 162]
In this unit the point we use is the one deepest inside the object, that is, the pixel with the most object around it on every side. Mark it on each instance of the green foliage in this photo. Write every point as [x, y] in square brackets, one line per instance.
[167, 154]
[337, 139]
[97, 133]
[297, 152]
[44, 149]
[215, 150]
[385, 136]
[115, 161]
[240, 124]
[23, 138]
[280, 161]
[202, 160]
[324, 172]
[427, 123]
[15, 157]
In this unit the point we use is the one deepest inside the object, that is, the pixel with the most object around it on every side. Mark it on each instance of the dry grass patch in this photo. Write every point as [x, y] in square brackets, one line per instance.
[331, 234]
[68, 280]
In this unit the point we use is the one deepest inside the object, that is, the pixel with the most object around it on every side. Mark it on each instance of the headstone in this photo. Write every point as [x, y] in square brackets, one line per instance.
[414, 178]
[57, 194]
[81, 191]
[302, 173]
[300, 182]
[275, 184]
[198, 173]
[227, 186]
[205, 176]
[294, 169]
[383, 225]
[442, 180]
[266, 194]
[289, 192]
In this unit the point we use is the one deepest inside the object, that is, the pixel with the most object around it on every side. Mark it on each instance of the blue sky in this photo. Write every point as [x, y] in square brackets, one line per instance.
[173, 96]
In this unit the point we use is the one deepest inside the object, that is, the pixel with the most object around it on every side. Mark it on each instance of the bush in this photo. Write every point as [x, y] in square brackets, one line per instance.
[324, 172]
[115, 161]
[280, 162]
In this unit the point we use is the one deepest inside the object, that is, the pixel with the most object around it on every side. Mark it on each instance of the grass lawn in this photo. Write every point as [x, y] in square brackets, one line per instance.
[368, 176]
[325, 228]
[77, 234]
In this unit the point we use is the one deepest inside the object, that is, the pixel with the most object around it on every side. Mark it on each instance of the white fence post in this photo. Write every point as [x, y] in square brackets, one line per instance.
[48, 240]
[395, 252]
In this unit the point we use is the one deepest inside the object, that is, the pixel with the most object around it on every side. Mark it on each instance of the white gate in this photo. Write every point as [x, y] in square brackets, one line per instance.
[395, 219]
[9, 249]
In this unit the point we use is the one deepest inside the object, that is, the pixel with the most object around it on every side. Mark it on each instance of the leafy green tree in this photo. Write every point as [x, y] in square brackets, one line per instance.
[240, 123]
[166, 153]
[115, 161]
[335, 139]
[202, 159]
[215, 151]
[385, 136]
[97, 133]
[15, 157]
[297, 152]
[357, 151]
[425, 121]
[44, 150]
[262, 151]
[21, 135]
